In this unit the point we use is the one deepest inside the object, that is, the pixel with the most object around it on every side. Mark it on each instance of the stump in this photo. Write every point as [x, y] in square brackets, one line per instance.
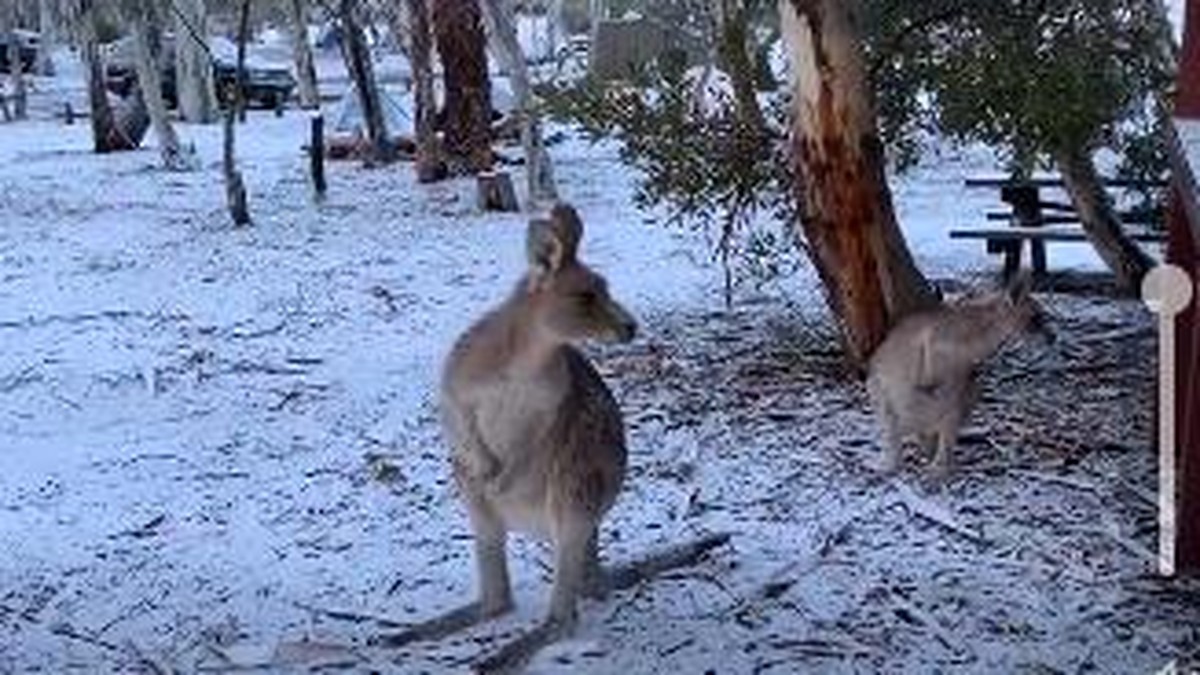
[316, 154]
[496, 192]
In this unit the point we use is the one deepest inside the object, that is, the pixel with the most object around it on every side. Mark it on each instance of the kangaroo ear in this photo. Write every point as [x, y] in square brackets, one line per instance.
[568, 226]
[1020, 287]
[544, 247]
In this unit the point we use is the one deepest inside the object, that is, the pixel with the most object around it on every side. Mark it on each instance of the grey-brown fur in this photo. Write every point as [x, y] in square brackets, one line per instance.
[921, 379]
[537, 440]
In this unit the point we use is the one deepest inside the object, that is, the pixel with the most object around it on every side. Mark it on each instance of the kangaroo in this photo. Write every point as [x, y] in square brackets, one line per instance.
[921, 379]
[538, 444]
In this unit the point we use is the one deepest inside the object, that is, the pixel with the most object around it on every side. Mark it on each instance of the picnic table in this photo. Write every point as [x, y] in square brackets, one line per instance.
[1035, 218]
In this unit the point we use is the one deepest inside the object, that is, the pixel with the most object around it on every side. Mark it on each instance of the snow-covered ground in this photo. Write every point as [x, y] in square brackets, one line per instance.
[213, 438]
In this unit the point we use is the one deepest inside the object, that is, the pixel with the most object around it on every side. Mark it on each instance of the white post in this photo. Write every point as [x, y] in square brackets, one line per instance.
[1166, 290]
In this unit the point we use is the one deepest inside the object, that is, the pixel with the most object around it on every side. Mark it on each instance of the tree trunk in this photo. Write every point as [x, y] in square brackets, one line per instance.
[467, 106]
[558, 28]
[146, 36]
[1123, 256]
[106, 134]
[400, 24]
[845, 207]
[302, 56]
[235, 187]
[193, 67]
[358, 63]
[539, 172]
[48, 28]
[19, 95]
[430, 164]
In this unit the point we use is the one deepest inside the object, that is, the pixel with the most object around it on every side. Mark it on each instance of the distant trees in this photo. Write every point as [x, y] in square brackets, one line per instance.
[302, 56]
[361, 69]
[430, 164]
[48, 25]
[10, 21]
[112, 130]
[193, 63]
[145, 27]
[539, 172]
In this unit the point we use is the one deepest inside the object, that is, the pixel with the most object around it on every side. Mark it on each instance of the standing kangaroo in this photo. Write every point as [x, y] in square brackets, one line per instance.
[921, 379]
[537, 440]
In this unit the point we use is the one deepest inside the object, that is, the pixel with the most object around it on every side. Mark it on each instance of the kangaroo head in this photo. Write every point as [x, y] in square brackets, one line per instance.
[569, 300]
[1011, 311]
[1028, 317]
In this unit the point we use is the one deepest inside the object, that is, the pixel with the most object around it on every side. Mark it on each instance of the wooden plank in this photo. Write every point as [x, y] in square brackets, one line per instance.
[1048, 233]
[1127, 217]
[1052, 182]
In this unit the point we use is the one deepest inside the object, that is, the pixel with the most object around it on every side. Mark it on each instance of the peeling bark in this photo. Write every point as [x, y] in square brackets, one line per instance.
[468, 101]
[846, 213]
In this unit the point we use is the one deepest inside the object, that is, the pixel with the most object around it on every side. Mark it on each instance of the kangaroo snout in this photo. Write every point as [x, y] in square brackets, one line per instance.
[625, 326]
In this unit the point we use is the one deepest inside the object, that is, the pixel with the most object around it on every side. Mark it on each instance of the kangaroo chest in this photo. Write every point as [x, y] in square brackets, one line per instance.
[517, 415]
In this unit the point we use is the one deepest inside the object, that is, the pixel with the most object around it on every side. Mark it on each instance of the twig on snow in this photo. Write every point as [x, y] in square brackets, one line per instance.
[128, 649]
[936, 514]
[352, 617]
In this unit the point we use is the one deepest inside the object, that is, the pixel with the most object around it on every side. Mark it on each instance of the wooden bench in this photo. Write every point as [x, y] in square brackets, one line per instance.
[1040, 221]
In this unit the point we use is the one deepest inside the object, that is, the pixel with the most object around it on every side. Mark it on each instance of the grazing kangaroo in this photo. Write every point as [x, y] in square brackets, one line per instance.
[921, 379]
[537, 440]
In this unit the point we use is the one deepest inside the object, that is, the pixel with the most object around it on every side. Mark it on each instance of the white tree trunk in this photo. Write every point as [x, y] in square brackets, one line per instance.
[502, 31]
[193, 68]
[150, 88]
[48, 18]
[302, 56]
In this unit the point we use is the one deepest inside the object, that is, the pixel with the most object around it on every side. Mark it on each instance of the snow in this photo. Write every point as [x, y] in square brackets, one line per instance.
[210, 436]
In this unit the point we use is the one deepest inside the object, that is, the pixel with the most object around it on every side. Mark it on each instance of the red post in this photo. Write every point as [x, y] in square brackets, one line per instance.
[1182, 251]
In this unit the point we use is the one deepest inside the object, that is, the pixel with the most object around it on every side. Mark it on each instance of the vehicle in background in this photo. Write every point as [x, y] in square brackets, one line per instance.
[266, 85]
[27, 46]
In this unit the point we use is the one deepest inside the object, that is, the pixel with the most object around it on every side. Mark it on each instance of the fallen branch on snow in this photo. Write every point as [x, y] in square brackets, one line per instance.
[515, 653]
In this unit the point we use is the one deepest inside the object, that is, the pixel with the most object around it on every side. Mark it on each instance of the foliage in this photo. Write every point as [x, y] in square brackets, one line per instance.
[1028, 78]
[1024, 77]
[696, 154]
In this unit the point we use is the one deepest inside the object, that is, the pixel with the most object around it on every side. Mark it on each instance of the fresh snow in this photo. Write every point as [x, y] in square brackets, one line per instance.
[211, 437]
